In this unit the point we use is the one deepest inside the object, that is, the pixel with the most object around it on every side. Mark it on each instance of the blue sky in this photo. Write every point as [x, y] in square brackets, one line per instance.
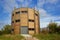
[48, 9]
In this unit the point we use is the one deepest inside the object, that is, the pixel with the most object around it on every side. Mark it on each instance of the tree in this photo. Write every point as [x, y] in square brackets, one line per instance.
[44, 30]
[6, 29]
[0, 32]
[58, 29]
[52, 27]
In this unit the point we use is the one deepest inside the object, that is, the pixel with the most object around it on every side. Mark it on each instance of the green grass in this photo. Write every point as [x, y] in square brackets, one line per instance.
[11, 37]
[39, 36]
[47, 36]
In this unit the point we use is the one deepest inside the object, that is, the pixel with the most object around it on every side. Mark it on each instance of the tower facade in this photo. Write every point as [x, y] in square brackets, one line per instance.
[25, 21]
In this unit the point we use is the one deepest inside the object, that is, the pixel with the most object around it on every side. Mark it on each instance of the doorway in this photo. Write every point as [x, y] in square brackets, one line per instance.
[24, 30]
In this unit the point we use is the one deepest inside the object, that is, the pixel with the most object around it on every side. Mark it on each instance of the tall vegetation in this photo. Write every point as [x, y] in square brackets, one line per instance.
[6, 29]
[53, 27]
[58, 29]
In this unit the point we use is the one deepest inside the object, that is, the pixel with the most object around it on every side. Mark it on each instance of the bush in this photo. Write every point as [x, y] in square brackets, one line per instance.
[11, 37]
[6, 29]
[47, 36]
[52, 27]
[1, 33]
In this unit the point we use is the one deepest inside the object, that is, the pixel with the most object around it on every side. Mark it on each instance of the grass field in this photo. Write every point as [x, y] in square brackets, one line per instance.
[38, 36]
[11, 37]
[47, 36]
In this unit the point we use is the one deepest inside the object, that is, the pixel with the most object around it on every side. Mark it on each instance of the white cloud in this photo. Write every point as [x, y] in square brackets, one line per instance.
[52, 1]
[9, 5]
[42, 2]
[24, 0]
[20, 0]
[24, 3]
[43, 24]
[45, 18]
[43, 13]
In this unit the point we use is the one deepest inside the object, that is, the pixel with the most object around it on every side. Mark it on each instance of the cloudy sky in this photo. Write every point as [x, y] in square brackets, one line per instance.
[48, 9]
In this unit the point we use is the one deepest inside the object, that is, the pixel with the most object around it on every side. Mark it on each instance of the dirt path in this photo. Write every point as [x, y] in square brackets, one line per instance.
[29, 37]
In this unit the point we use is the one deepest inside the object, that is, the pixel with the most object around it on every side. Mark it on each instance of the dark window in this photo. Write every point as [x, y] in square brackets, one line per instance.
[31, 29]
[24, 11]
[12, 29]
[12, 14]
[31, 20]
[18, 20]
[12, 21]
[36, 14]
[18, 12]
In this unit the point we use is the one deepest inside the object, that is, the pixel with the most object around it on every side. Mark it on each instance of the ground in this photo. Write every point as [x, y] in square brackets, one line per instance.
[11, 37]
[47, 36]
[31, 37]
